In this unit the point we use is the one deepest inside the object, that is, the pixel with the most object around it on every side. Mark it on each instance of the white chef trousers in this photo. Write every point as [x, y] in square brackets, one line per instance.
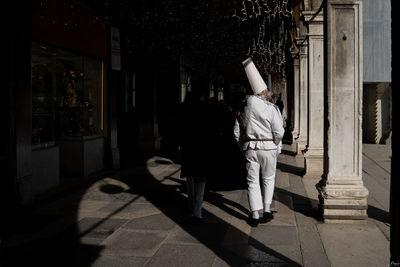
[265, 161]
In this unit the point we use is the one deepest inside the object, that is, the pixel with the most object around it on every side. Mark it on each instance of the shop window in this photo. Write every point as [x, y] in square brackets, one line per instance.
[67, 94]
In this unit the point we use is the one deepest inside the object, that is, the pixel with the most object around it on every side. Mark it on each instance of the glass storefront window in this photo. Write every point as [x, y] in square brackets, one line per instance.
[67, 91]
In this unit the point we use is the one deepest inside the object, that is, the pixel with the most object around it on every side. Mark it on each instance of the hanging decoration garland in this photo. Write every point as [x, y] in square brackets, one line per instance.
[215, 32]
[271, 21]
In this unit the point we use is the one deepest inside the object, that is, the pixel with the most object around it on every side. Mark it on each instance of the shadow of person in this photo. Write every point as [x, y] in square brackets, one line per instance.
[217, 200]
[301, 204]
[226, 205]
[243, 249]
[69, 245]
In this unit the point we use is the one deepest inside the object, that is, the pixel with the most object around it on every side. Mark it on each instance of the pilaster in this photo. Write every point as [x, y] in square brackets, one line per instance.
[313, 154]
[301, 139]
[296, 86]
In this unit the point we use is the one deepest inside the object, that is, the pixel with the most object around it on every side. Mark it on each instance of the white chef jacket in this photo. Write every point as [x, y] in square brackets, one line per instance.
[259, 120]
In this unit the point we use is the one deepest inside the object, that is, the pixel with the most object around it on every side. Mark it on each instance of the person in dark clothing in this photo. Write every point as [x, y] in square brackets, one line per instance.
[194, 142]
[279, 103]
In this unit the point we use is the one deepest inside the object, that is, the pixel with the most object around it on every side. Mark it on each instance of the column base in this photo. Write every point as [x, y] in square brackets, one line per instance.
[343, 203]
[289, 149]
[300, 146]
[295, 135]
[314, 163]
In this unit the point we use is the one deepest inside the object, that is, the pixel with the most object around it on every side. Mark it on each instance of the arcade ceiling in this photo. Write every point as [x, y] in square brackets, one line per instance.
[218, 33]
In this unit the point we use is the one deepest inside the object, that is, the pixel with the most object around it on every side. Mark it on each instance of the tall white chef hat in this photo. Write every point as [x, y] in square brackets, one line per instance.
[256, 81]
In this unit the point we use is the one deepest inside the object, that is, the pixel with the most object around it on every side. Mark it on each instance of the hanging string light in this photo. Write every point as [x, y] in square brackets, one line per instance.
[215, 32]
[272, 20]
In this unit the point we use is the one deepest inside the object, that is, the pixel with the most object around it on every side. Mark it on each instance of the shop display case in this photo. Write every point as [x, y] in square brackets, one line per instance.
[67, 105]
[80, 92]
[66, 94]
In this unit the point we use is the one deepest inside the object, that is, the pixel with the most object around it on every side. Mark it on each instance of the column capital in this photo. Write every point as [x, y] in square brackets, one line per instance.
[315, 23]
[302, 45]
[294, 51]
[301, 41]
[312, 17]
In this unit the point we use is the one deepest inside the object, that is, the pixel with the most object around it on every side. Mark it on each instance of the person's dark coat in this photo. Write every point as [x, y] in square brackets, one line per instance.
[195, 137]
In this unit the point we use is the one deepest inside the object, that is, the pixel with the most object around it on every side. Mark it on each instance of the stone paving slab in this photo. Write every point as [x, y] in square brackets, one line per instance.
[380, 216]
[123, 196]
[260, 255]
[382, 177]
[98, 228]
[312, 192]
[354, 244]
[284, 215]
[207, 233]
[218, 262]
[281, 179]
[236, 236]
[119, 261]
[244, 200]
[275, 235]
[312, 248]
[222, 211]
[183, 255]
[151, 222]
[291, 252]
[132, 243]
[238, 224]
[380, 154]
[379, 192]
[126, 207]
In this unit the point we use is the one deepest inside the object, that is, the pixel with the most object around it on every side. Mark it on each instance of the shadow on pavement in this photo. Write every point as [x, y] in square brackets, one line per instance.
[378, 214]
[212, 233]
[64, 247]
[290, 169]
[50, 238]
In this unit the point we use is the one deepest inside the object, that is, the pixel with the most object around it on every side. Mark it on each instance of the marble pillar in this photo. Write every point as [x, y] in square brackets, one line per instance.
[301, 140]
[342, 194]
[313, 154]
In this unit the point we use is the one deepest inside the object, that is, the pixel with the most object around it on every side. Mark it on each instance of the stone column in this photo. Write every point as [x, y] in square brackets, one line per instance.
[343, 197]
[301, 139]
[283, 93]
[296, 101]
[313, 154]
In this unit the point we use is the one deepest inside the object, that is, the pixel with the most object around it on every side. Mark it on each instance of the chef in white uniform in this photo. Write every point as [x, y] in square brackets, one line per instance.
[259, 130]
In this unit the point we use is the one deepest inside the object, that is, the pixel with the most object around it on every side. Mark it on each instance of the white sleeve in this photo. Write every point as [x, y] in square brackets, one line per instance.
[236, 130]
[279, 149]
[277, 127]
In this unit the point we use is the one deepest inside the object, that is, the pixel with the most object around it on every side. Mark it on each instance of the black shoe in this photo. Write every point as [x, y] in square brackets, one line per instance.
[253, 222]
[267, 216]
